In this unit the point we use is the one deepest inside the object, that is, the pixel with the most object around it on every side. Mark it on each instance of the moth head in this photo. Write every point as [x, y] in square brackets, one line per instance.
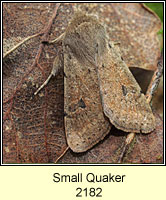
[85, 37]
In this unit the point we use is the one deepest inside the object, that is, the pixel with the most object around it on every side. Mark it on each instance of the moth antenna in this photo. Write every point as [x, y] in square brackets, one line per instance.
[45, 83]
[58, 39]
[56, 67]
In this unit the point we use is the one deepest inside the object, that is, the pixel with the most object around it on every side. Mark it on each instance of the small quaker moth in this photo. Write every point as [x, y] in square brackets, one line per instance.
[99, 89]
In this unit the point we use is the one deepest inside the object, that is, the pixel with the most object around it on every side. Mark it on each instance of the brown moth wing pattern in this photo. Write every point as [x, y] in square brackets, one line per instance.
[122, 100]
[85, 122]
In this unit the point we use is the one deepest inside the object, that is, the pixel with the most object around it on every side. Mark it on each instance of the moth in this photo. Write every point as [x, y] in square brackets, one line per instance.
[99, 89]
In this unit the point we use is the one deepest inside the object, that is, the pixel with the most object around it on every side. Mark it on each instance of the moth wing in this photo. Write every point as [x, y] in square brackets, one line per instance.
[123, 103]
[85, 122]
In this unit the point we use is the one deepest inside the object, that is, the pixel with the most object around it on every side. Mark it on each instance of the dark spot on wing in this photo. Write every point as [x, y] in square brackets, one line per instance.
[64, 75]
[124, 90]
[109, 45]
[65, 114]
[81, 103]
[69, 56]
[74, 107]
[97, 48]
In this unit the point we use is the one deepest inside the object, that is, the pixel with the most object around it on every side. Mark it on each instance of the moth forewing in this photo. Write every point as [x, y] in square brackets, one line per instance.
[85, 123]
[122, 100]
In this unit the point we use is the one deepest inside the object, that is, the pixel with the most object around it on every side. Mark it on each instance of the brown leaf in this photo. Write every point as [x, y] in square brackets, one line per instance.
[33, 126]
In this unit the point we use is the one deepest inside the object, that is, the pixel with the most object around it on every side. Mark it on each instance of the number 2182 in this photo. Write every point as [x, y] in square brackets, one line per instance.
[92, 192]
